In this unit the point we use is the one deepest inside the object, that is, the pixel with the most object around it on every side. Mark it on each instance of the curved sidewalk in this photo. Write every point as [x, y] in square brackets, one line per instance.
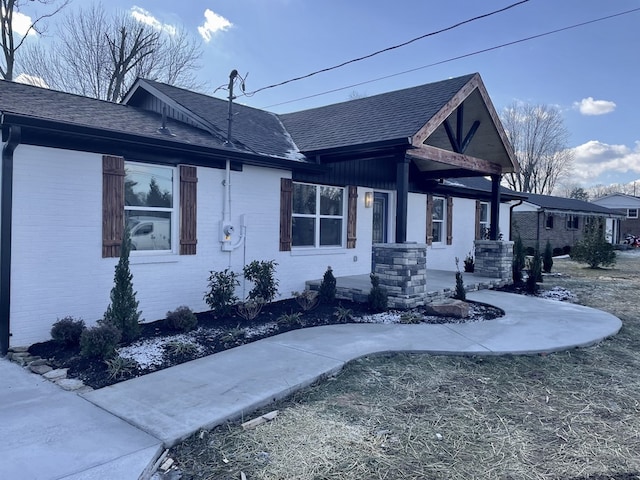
[49, 433]
[174, 403]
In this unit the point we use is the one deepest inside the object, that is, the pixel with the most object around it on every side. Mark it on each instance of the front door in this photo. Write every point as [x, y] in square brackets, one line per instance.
[380, 220]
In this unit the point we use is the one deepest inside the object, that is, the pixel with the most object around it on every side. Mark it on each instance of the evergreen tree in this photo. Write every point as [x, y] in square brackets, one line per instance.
[123, 312]
[547, 259]
[328, 287]
[519, 259]
[593, 249]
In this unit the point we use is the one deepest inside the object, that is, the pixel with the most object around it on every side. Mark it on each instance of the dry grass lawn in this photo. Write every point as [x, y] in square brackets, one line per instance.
[570, 415]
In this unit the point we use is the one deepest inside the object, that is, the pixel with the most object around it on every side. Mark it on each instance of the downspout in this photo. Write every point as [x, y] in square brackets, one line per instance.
[511, 232]
[6, 214]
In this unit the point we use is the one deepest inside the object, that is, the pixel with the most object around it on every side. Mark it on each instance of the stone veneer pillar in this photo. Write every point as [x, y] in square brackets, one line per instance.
[494, 259]
[402, 270]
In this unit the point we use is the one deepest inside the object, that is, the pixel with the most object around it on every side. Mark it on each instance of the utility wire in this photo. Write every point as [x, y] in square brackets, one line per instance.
[477, 52]
[430, 34]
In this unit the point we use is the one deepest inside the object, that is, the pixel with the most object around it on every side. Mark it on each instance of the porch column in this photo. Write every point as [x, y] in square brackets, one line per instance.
[495, 207]
[402, 200]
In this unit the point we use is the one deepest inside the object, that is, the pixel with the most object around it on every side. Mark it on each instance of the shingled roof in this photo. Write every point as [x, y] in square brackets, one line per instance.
[389, 116]
[550, 202]
[46, 104]
[254, 130]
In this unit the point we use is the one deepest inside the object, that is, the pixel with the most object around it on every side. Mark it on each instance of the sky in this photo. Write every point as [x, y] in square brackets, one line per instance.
[590, 72]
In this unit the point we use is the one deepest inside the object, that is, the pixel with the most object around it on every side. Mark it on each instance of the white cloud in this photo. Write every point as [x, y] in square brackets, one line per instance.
[213, 23]
[144, 16]
[594, 158]
[31, 80]
[589, 106]
[22, 23]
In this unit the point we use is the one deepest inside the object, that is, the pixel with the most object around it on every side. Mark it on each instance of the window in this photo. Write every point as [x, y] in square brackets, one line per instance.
[149, 206]
[549, 222]
[632, 213]
[483, 219]
[438, 220]
[317, 216]
[573, 222]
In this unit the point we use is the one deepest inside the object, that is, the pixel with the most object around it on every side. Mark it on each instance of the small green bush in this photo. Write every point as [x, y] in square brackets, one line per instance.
[328, 287]
[67, 331]
[120, 368]
[547, 258]
[262, 274]
[307, 299]
[100, 341]
[460, 293]
[519, 260]
[593, 249]
[343, 314]
[181, 319]
[222, 291]
[535, 273]
[557, 251]
[289, 320]
[469, 263]
[377, 299]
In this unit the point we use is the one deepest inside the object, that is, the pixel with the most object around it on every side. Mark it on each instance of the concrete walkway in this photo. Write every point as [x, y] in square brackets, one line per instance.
[169, 405]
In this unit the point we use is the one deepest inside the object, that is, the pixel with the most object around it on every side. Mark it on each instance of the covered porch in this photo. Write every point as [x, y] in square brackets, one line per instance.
[440, 284]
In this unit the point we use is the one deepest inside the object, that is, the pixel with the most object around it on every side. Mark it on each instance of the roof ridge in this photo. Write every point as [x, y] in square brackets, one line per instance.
[62, 92]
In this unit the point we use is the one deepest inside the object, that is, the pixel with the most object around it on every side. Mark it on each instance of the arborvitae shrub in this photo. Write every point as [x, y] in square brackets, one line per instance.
[100, 342]
[123, 312]
[593, 249]
[378, 299]
[460, 293]
[181, 319]
[547, 258]
[67, 331]
[328, 287]
[535, 273]
[519, 260]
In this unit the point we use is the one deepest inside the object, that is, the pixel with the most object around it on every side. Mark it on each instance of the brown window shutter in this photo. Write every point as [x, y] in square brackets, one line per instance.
[352, 217]
[449, 220]
[286, 206]
[478, 210]
[429, 219]
[188, 209]
[112, 205]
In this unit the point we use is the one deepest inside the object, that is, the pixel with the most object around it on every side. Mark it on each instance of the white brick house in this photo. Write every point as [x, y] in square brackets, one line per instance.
[307, 196]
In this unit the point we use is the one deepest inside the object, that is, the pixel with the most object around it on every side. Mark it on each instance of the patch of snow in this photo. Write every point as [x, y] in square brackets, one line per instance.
[384, 317]
[260, 330]
[558, 293]
[149, 352]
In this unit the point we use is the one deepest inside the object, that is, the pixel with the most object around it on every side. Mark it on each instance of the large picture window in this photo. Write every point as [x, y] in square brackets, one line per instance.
[317, 216]
[149, 206]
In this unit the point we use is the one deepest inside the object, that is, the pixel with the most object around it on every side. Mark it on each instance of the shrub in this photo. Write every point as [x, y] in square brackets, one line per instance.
[469, 263]
[180, 351]
[378, 299]
[120, 367]
[566, 250]
[181, 319]
[518, 260]
[529, 251]
[410, 318]
[328, 287]
[123, 312]
[222, 291]
[535, 273]
[343, 314]
[100, 341]
[593, 249]
[547, 259]
[557, 251]
[307, 300]
[460, 293]
[233, 337]
[262, 274]
[288, 320]
[250, 309]
[67, 331]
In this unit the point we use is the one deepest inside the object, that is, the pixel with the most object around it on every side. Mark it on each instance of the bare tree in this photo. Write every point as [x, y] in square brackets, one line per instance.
[100, 55]
[539, 139]
[13, 40]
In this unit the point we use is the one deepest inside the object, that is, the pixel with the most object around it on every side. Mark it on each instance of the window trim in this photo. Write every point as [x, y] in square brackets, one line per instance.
[173, 210]
[318, 216]
[573, 222]
[485, 226]
[548, 222]
[629, 210]
[443, 222]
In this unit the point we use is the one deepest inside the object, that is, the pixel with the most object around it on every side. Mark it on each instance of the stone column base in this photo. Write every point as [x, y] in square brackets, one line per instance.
[494, 259]
[402, 270]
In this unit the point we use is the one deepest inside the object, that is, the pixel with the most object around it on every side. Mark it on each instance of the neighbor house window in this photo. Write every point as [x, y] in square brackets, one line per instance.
[149, 206]
[632, 213]
[573, 222]
[317, 216]
[549, 222]
[438, 219]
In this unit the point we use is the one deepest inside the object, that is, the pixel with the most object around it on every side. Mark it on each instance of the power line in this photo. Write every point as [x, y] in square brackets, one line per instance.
[430, 34]
[477, 52]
